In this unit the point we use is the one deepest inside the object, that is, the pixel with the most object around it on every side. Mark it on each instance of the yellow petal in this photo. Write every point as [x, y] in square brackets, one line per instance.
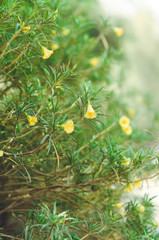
[58, 87]
[127, 130]
[1, 153]
[129, 187]
[140, 208]
[68, 126]
[138, 183]
[54, 46]
[126, 161]
[90, 114]
[26, 29]
[46, 53]
[32, 120]
[119, 205]
[54, 32]
[118, 31]
[65, 31]
[94, 61]
[124, 121]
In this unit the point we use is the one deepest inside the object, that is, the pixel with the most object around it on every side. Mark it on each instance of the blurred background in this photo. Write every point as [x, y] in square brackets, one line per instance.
[140, 44]
[140, 21]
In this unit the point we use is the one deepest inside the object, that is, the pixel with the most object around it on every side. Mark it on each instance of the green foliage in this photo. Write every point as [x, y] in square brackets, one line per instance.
[43, 160]
[45, 224]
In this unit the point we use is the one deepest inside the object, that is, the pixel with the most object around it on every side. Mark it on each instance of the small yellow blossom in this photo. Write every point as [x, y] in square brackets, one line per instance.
[138, 183]
[90, 114]
[94, 61]
[131, 112]
[26, 29]
[65, 31]
[127, 130]
[58, 87]
[140, 208]
[54, 32]
[46, 53]
[129, 187]
[54, 46]
[118, 31]
[126, 161]
[68, 126]
[32, 120]
[1, 153]
[119, 205]
[124, 121]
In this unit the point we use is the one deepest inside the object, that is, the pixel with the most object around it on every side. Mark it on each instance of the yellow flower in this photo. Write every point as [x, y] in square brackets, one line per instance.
[1, 153]
[65, 31]
[137, 182]
[90, 112]
[94, 61]
[26, 29]
[131, 112]
[54, 32]
[126, 161]
[118, 31]
[127, 130]
[119, 205]
[32, 120]
[68, 126]
[59, 87]
[140, 208]
[124, 121]
[129, 187]
[46, 53]
[54, 46]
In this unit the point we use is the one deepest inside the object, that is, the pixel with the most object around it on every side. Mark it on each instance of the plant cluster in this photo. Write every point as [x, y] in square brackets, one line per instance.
[67, 137]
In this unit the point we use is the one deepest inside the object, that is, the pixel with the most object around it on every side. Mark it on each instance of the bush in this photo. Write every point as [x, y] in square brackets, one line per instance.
[67, 135]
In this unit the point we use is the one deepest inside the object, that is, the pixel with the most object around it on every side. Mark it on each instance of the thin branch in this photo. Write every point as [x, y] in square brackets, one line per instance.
[16, 59]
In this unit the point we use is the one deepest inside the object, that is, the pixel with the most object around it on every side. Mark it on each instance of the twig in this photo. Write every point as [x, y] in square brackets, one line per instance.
[98, 135]
[16, 59]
